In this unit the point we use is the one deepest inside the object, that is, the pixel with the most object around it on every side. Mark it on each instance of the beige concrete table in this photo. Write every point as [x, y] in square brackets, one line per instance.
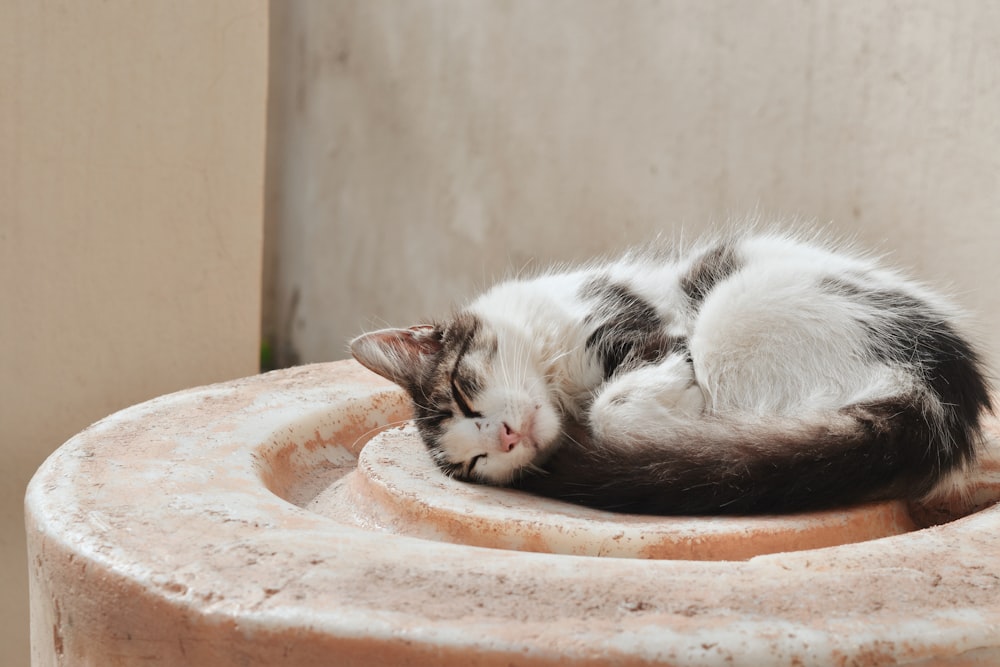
[273, 521]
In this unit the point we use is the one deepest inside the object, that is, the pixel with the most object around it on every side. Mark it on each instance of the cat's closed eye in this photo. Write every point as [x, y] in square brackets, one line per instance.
[475, 459]
[462, 400]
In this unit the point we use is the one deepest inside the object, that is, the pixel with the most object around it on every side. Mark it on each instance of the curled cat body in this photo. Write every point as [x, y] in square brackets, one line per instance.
[755, 372]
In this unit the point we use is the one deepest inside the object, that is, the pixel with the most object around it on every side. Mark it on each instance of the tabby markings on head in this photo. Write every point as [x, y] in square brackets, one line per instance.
[434, 383]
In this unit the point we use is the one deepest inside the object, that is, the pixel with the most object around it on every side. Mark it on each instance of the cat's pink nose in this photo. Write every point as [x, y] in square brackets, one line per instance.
[508, 438]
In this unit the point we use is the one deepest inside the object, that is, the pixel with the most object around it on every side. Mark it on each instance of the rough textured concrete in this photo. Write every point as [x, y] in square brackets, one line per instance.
[187, 531]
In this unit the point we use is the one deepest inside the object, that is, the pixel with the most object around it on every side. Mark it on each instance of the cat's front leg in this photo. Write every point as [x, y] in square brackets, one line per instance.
[638, 404]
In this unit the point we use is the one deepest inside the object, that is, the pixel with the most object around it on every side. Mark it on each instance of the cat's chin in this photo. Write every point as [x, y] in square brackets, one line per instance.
[541, 452]
[529, 458]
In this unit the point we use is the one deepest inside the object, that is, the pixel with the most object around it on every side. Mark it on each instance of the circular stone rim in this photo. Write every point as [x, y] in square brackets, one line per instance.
[396, 488]
[228, 550]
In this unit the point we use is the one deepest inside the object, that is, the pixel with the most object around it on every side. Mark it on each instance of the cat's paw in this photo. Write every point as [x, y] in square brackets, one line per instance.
[642, 402]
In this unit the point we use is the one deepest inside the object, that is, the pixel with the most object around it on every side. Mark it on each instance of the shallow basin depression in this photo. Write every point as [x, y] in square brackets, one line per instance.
[294, 519]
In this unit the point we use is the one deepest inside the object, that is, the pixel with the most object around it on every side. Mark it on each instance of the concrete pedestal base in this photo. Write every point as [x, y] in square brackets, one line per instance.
[243, 524]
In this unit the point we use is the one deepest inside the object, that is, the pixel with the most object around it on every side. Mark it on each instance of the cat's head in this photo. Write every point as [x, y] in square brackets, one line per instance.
[481, 403]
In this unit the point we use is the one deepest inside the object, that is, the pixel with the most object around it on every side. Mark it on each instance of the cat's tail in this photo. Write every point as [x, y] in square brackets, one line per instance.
[895, 447]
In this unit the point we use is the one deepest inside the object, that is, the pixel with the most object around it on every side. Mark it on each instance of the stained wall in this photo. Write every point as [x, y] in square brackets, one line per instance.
[420, 150]
[131, 180]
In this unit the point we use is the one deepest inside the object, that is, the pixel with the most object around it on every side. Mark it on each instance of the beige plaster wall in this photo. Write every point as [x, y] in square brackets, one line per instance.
[131, 173]
[418, 150]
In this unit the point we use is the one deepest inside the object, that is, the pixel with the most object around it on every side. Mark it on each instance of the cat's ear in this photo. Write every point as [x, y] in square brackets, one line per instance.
[399, 355]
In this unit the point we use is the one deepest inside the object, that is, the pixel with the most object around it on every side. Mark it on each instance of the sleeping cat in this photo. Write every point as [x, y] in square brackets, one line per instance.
[753, 373]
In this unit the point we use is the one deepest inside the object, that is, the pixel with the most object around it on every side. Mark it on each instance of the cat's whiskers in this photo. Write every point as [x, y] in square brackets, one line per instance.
[503, 370]
[521, 361]
[372, 432]
[522, 471]
[559, 356]
[427, 403]
[513, 367]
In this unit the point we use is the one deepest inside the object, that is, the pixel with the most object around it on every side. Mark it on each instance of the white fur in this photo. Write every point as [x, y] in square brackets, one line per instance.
[763, 348]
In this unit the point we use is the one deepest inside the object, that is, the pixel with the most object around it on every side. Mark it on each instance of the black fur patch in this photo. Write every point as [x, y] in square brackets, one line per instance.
[910, 333]
[628, 331]
[712, 267]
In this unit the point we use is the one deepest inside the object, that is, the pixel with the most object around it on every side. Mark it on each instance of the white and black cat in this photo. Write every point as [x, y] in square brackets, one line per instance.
[753, 373]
